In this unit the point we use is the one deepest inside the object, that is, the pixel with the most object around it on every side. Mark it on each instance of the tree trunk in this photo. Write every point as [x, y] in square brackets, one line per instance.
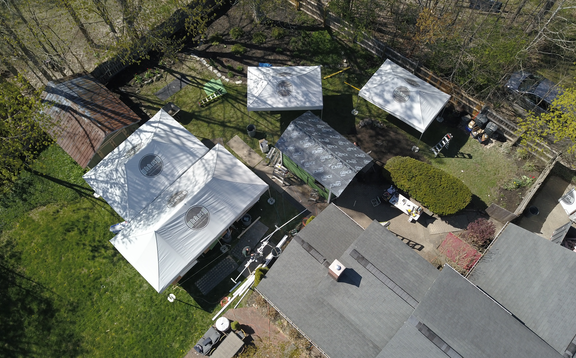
[34, 33]
[129, 17]
[29, 54]
[518, 10]
[103, 12]
[79, 23]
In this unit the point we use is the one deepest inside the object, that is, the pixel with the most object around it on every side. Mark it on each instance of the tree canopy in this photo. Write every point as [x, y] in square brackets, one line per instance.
[21, 133]
[557, 126]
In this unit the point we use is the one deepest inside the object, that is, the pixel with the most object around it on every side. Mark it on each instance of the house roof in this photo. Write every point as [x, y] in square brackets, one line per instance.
[86, 113]
[532, 277]
[378, 291]
[471, 323]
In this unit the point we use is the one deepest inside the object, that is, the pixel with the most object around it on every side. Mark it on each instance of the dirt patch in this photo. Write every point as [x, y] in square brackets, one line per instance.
[383, 142]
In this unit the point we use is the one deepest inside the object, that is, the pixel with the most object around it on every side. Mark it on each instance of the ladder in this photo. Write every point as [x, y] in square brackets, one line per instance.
[213, 97]
[443, 143]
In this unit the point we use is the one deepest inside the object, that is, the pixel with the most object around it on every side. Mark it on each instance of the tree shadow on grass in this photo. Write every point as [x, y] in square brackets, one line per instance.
[30, 322]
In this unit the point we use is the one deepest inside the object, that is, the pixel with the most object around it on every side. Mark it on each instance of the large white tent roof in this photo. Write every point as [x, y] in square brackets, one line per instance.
[147, 162]
[402, 94]
[164, 241]
[284, 88]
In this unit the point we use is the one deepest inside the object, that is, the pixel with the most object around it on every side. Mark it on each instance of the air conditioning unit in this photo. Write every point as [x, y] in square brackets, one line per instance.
[568, 202]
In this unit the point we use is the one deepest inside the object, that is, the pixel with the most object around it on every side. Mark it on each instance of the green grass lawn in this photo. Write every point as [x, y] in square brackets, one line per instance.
[70, 293]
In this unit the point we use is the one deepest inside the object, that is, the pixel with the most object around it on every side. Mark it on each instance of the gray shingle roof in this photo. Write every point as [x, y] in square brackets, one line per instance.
[473, 324]
[532, 277]
[410, 343]
[405, 267]
[333, 234]
[355, 317]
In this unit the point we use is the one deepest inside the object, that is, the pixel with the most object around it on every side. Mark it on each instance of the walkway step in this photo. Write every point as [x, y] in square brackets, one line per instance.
[247, 154]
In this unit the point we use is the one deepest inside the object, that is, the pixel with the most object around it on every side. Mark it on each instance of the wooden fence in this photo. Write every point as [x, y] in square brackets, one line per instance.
[318, 9]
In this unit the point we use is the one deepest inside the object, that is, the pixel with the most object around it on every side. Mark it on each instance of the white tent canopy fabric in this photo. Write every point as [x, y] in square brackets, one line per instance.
[147, 162]
[402, 94]
[284, 88]
[164, 241]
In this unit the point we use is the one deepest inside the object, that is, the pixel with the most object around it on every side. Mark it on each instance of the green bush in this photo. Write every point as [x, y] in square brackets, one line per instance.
[215, 38]
[236, 33]
[258, 38]
[235, 325]
[440, 192]
[239, 68]
[278, 33]
[238, 49]
[260, 272]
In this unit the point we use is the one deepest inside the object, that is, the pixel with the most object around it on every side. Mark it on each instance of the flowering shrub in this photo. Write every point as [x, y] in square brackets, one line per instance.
[480, 232]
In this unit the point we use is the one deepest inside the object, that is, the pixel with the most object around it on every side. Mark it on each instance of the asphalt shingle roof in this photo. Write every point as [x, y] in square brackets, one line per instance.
[333, 234]
[359, 315]
[473, 324]
[533, 278]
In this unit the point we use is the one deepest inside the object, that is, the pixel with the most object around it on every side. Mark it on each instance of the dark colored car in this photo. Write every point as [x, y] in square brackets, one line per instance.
[486, 5]
[533, 92]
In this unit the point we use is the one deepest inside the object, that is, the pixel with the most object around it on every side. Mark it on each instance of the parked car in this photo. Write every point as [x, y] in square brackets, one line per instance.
[533, 92]
[486, 5]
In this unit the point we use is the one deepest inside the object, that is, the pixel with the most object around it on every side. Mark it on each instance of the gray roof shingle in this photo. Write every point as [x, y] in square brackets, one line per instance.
[473, 324]
[532, 277]
[357, 316]
[333, 234]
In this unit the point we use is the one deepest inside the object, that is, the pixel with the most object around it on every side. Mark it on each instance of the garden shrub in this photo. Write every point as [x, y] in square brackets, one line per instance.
[260, 272]
[440, 192]
[259, 38]
[215, 39]
[480, 232]
[238, 49]
[236, 33]
[278, 33]
[235, 325]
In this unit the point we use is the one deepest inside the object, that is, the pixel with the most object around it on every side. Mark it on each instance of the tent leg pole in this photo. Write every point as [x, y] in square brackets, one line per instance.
[416, 148]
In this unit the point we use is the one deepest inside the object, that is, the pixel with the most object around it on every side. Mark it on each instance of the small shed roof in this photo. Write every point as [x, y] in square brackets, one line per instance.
[322, 152]
[86, 113]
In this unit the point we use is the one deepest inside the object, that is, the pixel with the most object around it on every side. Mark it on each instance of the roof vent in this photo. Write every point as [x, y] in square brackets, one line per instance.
[335, 270]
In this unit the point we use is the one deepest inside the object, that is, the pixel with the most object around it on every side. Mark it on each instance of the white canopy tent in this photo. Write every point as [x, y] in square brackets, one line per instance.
[164, 241]
[147, 162]
[402, 94]
[284, 88]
